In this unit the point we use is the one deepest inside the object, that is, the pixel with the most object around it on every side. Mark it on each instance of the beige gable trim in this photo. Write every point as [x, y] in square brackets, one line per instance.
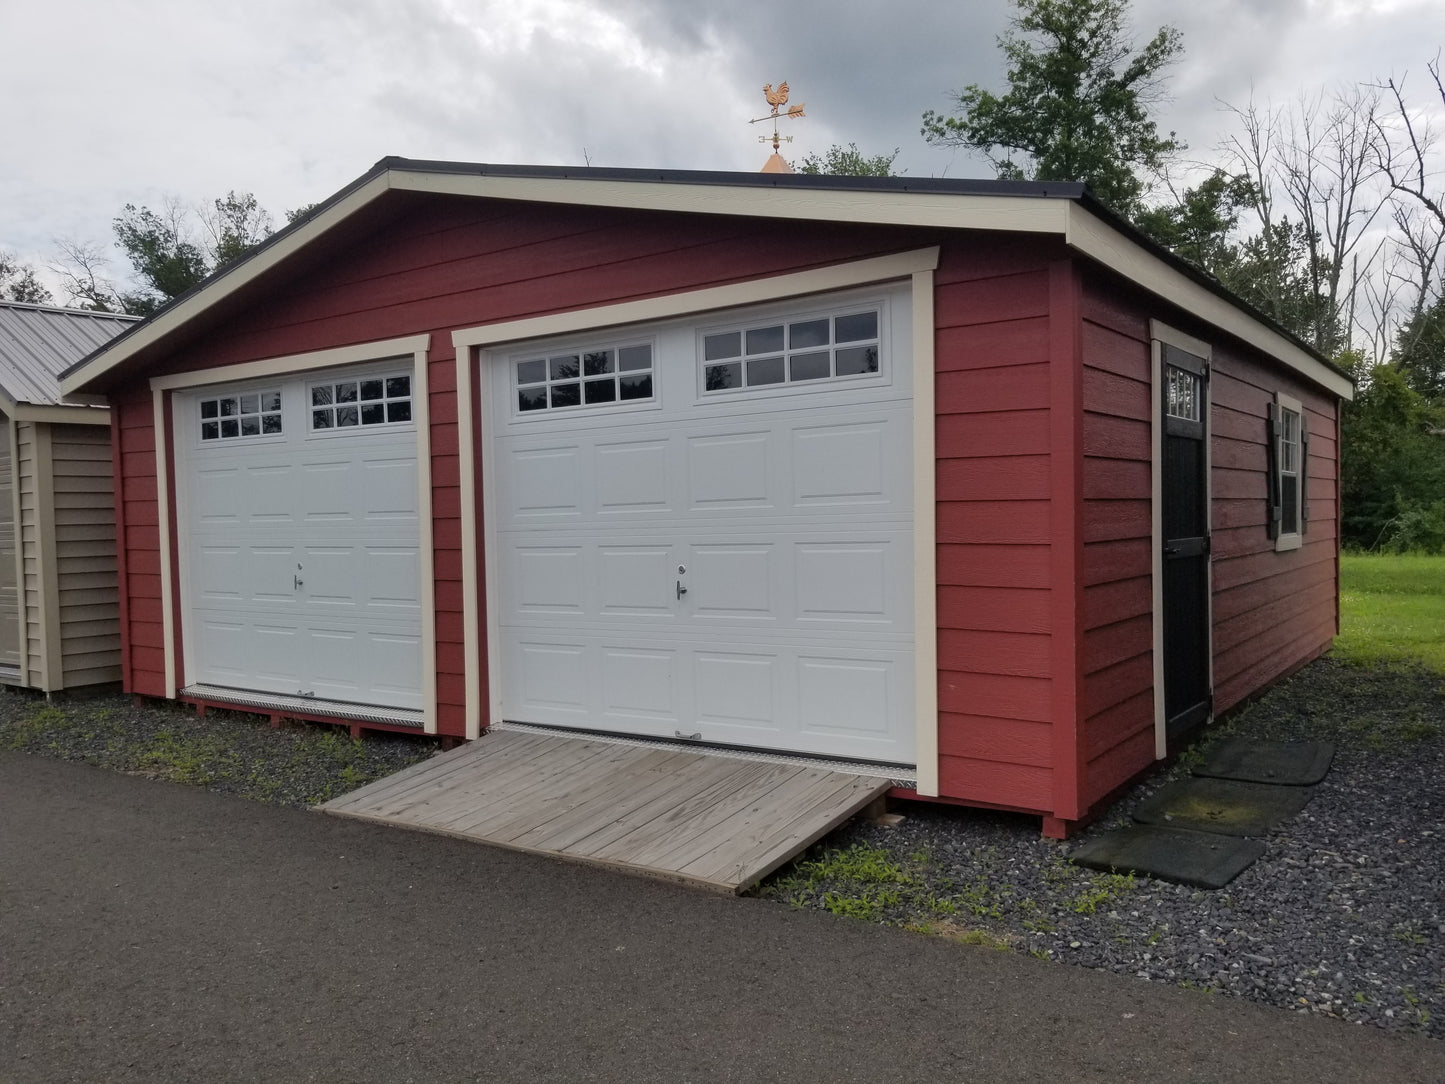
[1099, 241]
[227, 284]
[1081, 229]
[62, 415]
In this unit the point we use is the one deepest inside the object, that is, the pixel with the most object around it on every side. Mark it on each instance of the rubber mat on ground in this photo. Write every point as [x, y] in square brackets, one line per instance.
[1287, 763]
[1202, 859]
[1226, 806]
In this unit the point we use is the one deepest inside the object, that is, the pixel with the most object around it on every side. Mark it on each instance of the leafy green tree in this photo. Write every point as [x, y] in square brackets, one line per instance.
[1201, 223]
[849, 161]
[1392, 469]
[1078, 103]
[237, 225]
[167, 252]
[165, 259]
[1420, 352]
[18, 282]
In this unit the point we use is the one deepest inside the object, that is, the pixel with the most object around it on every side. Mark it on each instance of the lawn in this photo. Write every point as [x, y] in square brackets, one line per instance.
[1392, 610]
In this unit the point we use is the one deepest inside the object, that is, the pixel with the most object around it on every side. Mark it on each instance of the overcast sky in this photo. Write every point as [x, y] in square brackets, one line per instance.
[108, 102]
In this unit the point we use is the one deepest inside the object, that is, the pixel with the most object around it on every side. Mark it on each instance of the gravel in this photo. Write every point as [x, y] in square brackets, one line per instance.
[225, 751]
[1344, 915]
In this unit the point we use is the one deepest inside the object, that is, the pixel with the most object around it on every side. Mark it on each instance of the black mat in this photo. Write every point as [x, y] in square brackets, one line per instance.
[1203, 859]
[1288, 763]
[1226, 806]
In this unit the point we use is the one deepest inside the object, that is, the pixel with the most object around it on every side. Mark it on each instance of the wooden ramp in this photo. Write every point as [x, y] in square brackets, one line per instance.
[722, 822]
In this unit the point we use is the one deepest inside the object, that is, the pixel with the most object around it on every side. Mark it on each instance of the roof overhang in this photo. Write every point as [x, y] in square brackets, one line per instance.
[1064, 211]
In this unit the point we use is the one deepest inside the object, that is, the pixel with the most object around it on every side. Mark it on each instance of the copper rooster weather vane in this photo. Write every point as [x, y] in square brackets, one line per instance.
[777, 99]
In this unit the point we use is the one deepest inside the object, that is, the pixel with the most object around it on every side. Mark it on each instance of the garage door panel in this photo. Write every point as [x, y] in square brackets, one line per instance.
[546, 580]
[730, 470]
[392, 575]
[842, 465]
[639, 684]
[732, 582]
[848, 583]
[633, 478]
[551, 679]
[845, 697]
[737, 690]
[543, 484]
[636, 581]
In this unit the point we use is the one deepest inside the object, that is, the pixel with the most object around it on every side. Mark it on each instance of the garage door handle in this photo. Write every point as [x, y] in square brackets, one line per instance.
[296, 581]
[681, 590]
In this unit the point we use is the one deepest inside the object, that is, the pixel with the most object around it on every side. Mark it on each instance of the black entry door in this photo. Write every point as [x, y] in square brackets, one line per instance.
[1185, 541]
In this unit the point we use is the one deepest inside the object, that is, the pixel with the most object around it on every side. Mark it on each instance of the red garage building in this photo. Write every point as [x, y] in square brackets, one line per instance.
[965, 478]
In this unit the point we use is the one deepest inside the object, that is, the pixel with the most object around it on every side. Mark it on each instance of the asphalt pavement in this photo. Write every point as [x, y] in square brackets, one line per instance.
[152, 932]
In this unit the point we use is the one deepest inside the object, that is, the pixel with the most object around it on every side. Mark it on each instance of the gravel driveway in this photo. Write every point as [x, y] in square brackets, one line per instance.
[1344, 915]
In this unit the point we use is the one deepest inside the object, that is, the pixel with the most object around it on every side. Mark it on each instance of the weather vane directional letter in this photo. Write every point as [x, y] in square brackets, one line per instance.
[777, 99]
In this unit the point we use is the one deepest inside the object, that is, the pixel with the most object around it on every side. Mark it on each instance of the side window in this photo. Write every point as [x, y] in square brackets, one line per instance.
[1288, 436]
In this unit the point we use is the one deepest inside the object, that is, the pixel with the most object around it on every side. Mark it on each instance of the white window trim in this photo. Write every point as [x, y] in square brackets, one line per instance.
[388, 350]
[544, 352]
[1294, 539]
[917, 267]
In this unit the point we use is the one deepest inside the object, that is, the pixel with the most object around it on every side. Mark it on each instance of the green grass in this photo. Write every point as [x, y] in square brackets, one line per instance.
[1392, 611]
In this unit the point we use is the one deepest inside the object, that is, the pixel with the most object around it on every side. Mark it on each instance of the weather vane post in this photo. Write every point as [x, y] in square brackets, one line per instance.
[777, 99]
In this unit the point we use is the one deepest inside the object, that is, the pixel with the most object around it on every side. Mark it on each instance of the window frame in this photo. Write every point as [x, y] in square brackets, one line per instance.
[383, 374]
[785, 317]
[580, 349]
[1281, 411]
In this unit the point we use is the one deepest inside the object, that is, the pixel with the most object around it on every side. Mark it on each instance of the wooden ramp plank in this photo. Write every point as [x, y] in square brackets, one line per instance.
[721, 822]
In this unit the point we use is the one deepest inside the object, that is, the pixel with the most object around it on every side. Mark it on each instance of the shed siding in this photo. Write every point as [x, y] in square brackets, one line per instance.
[1255, 642]
[995, 618]
[1272, 611]
[85, 561]
[139, 540]
[1117, 653]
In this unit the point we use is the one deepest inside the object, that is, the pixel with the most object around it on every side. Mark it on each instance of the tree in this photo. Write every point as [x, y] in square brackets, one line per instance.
[167, 252]
[1200, 224]
[1392, 466]
[849, 161]
[164, 257]
[1078, 103]
[18, 282]
[1420, 354]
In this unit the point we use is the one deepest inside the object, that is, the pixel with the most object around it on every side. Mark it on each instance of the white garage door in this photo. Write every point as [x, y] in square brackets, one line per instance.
[704, 528]
[301, 553]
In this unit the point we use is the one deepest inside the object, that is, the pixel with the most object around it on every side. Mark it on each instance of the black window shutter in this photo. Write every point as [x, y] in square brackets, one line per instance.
[1273, 482]
[1304, 471]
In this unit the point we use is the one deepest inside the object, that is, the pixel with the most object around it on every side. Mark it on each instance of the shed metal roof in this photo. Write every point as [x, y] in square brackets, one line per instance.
[39, 342]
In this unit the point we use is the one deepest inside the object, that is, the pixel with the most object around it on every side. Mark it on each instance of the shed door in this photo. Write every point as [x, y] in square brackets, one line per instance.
[1187, 644]
[704, 529]
[301, 557]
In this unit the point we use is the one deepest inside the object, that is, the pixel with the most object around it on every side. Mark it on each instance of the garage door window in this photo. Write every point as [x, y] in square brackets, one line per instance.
[826, 348]
[252, 414]
[585, 378]
[372, 400]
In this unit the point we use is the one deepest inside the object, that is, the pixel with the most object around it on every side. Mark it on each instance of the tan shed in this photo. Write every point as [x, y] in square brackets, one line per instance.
[59, 599]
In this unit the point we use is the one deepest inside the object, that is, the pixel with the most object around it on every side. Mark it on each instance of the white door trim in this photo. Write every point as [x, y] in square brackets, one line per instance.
[416, 347]
[470, 343]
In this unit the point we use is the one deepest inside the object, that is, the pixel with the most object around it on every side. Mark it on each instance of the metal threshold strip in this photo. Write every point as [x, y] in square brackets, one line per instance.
[305, 706]
[900, 775]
